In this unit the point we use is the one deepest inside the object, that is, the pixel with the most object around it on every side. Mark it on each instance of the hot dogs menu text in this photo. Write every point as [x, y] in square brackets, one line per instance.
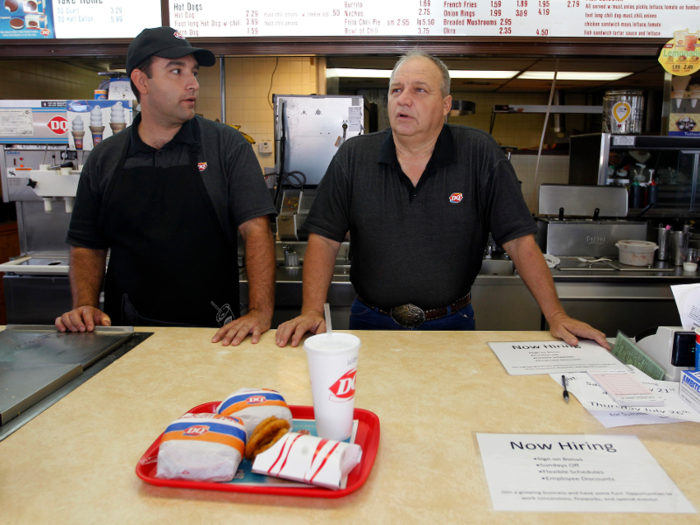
[523, 18]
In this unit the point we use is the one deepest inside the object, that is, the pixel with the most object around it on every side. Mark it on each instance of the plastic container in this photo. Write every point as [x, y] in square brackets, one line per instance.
[636, 253]
[636, 195]
[623, 112]
[652, 190]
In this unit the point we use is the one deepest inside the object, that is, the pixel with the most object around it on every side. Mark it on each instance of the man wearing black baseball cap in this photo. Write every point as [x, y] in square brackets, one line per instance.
[167, 196]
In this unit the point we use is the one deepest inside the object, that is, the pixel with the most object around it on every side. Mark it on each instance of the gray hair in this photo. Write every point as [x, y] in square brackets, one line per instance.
[418, 53]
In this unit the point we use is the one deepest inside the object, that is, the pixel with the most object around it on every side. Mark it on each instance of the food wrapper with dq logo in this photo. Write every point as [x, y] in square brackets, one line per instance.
[201, 447]
[252, 405]
[309, 459]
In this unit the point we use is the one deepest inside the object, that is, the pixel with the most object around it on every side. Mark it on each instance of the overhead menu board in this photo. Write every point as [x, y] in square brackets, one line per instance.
[496, 18]
[49, 19]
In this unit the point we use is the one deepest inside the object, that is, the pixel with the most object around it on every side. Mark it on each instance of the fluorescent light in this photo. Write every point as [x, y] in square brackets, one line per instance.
[483, 74]
[358, 73]
[386, 73]
[571, 75]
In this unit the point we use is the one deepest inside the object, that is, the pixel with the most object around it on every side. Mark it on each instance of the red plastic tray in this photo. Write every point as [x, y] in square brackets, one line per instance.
[367, 437]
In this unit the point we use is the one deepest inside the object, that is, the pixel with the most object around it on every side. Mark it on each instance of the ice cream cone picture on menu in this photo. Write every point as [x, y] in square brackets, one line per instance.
[78, 130]
[96, 126]
[694, 89]
[680, 84]
[117, 118]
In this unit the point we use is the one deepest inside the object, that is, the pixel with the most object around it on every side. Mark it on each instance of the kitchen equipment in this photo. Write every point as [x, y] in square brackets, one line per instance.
[586, 237]
[663, 240]
[636, 253]
[674, 160]
[671, 347]
[623, 112]
[582, 201]
[309, 129]
[678, 242]
[40, 175]
[37, 360]
[591, 261]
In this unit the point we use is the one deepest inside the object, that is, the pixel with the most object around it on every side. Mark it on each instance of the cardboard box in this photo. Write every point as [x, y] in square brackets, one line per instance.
[690, 388]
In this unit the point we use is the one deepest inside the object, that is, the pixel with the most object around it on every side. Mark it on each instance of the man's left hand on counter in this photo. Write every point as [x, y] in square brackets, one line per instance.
[569, 329]
[533, 270]
[254, 322]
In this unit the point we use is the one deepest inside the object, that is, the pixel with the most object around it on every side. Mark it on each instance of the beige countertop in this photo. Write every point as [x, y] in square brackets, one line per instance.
[433, 392]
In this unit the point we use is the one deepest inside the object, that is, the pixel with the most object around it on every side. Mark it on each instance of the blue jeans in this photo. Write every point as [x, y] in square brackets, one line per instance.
[362, 317]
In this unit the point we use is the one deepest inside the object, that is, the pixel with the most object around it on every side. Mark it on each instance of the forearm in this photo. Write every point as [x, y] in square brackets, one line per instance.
[87, 271]
[533, 270]
[260, 265]
[319, 263]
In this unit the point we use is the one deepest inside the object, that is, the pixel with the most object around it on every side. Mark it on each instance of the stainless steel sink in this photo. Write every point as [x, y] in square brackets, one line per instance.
[497, 267]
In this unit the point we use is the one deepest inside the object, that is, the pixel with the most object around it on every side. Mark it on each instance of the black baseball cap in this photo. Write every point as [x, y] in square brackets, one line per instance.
[164, 42]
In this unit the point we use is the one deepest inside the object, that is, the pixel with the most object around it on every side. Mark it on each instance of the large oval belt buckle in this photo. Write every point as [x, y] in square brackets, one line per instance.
[408, 315]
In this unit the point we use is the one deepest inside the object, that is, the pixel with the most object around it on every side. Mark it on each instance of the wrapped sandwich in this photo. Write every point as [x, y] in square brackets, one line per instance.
[265, 414]
[202, 447]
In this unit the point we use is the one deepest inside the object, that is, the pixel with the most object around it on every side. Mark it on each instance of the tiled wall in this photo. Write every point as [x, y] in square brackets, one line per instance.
[33, 79]
[522, 131]
[250, 84]
[519, 130]
[553, 169]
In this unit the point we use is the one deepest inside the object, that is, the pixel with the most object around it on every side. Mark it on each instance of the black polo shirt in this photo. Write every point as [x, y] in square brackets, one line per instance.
[228, 167]
[421, 245]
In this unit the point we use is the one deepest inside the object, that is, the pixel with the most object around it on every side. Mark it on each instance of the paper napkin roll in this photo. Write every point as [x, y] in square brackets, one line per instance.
[201, 447]
[309, 459]
[252, 405]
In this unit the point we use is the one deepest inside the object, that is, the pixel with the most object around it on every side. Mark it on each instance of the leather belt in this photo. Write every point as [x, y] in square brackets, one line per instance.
[411, 316]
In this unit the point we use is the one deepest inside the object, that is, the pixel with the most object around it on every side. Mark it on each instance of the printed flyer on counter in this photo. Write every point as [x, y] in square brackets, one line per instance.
[549, 357]
[577, 473]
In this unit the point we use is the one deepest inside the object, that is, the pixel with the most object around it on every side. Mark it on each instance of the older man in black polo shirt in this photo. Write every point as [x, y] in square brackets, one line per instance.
[419, 201]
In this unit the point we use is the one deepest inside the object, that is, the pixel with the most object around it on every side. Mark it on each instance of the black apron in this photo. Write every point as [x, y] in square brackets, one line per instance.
[171, 263]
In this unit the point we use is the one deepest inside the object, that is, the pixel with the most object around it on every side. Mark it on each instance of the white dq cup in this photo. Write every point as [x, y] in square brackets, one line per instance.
[332, 367]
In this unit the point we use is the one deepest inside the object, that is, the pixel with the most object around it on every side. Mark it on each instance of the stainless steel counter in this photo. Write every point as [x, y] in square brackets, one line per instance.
[630, 300]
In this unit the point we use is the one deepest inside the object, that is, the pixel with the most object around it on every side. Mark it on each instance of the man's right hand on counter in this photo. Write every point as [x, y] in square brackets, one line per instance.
[82, 319]
[311, 321]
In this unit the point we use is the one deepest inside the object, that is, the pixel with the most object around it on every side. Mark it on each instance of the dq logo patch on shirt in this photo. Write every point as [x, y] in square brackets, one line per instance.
[202, 166]
[456, 198]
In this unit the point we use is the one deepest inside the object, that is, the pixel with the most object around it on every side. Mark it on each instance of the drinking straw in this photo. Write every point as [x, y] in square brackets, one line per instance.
[329, 324]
